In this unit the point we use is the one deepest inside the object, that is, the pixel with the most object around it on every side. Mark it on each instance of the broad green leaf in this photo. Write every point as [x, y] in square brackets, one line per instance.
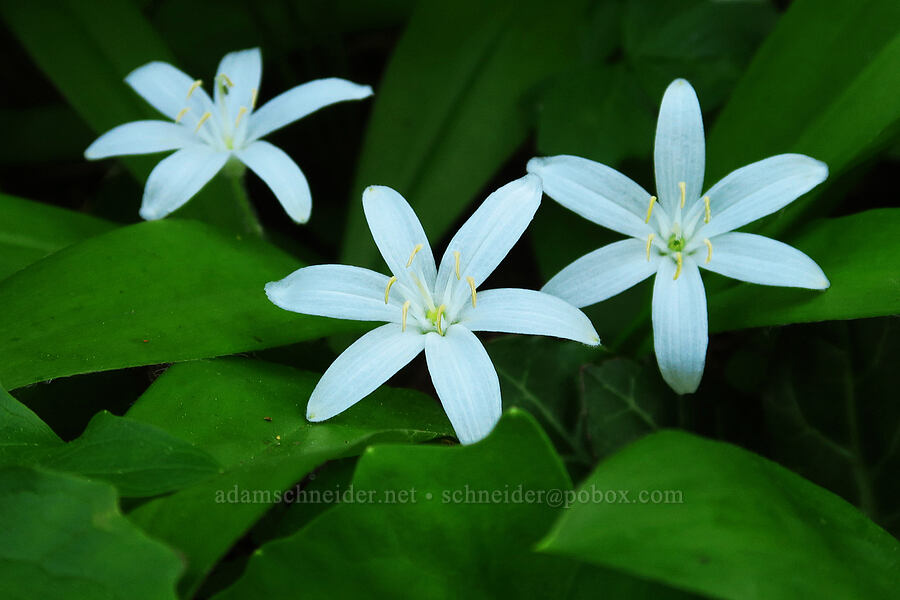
[63, 537]
[437, 522]
[156, 292]
[249, 415]
[437, 135]
[860, 255]
[825, 83]
[21, 431]
[30, 231]
[715, 519]
[28, 131]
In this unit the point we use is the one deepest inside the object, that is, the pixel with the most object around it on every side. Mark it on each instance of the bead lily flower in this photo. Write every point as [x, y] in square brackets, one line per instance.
[675, 235]
[435, 309]
[208, 133]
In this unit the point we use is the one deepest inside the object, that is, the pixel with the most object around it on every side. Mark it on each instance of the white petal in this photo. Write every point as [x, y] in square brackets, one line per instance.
[679, 152]
[679, 325]
[244, 69]
[491, 232]
[337, 291]
[140, 137]
[177, 178]
[302, 100]
[603, 273]
[465, 381]
[759, 189]
[595, 191]
[512, 310]
[166, 89]
[397, 232]
[360, 369]
[282, 175]
[762, 260]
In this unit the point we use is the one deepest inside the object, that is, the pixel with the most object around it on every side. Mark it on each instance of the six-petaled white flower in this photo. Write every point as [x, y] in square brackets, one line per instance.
[208, 133]
[680, 231]
[435, 309]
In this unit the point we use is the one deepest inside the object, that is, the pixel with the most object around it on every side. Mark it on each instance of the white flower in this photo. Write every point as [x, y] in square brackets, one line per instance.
[429, 308]
[679, 233]
[207, 133]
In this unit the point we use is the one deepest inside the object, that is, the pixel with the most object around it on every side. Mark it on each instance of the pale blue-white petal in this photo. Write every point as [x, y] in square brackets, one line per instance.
[166, 89]
[177, 178]
[759, 189]
[397, 233]
[490, 233]
[680, 330]
[243, 69]
[337, 291]
[302, 100]
[282, 175]
[140, 137]
[512, 310]
[603, 273]
[762, 260]
[679, 152]
[360, 369]
[465, 381]
[596, 192]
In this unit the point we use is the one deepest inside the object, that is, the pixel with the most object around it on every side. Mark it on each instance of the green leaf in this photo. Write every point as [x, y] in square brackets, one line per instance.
[249, 415]
[30, 231]
[145, 294]
[825, 83]
[860, 255]
[437, 135]
[21, 431]
[64, 537]
[435, 522]
[725, 523]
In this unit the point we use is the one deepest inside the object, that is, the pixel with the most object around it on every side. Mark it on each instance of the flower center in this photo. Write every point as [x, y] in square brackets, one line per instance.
[677, 243]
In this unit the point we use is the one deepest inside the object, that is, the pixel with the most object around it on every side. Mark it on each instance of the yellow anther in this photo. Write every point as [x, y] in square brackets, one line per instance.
[678, 260]
[241, 112]
[706, 205]
[413, 255]
[472, 285]
[202, 120]
[708, 250]
[682, 186]
[253, 94]
[650, 208]
[387, 290]
[226, 79]
[649, 242]
[197, 83]
[181, 113]
[438, 316]
[456, 256]
[403, 317]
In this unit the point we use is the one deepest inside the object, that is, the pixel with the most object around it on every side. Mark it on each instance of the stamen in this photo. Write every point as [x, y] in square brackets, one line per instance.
[682, 186]
[472, 285]
[181, 113]
[226, 79]
[253, 94]
[413, 255]
[241, 112]
[649, 241]
[650, 208]
[202, 120]
[387, 290]
[438, 316]
[708, 250]
[403, 317]
[679, 260]
[708, 214]
[456, 255]
[197, 83]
